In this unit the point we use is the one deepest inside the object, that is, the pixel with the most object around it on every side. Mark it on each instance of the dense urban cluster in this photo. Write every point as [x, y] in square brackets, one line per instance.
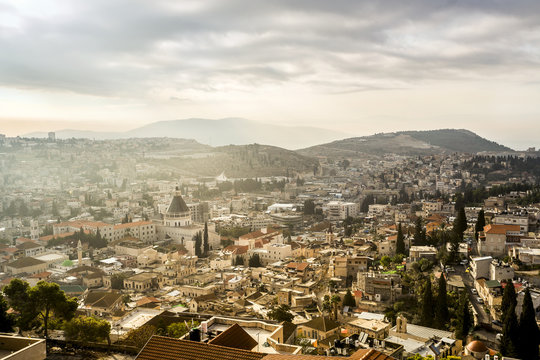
[116, 246]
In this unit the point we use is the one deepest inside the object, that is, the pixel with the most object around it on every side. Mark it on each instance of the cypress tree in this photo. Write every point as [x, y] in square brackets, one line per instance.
[198, 241]
[459, 201]
[529, 335]
[418, 232]
[441, 307]
[254, 261]
[206, 246]
[509, 299]
[460, 224]
[464, 318]
[400, 243]
[427, 305]
[510, 338]
[348, 299]
[480, 223]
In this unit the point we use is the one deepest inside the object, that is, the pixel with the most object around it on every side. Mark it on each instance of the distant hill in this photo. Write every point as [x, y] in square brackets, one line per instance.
[220, 132]
[244, 161]
[408, 142]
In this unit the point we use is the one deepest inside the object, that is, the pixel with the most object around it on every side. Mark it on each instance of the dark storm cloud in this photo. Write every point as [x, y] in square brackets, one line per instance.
[128, 48]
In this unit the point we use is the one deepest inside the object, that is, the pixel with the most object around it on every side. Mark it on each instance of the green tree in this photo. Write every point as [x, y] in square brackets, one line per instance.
[254, 261]
[17, 292]
[400, 243]
[239, 261]
[39, 303]
[509, 299]
[419, 235]
[6, 320]
[198, 242]
[460, 223]
[529, 335]
[117, 281]
[206, 246]
[464, 319]
[386, 261]
[138, 337]
[309, 207]
[427, 305]
[326, 303]
[281, 313]
[441, 306]
[420, 357]
[87, 329]
[480, 223]
[177, 330]
[454, 239]
[334, 301]
[510, 339]
[48, 299]
[348, 230]
[55, 211]
[348, 299]
[368, 200]
[459, 203]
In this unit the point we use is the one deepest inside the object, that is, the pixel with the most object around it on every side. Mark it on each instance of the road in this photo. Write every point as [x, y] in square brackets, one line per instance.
[488, 332]
[483, 316]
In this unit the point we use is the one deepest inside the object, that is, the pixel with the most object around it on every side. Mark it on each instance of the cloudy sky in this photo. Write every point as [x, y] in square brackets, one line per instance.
[356, 66]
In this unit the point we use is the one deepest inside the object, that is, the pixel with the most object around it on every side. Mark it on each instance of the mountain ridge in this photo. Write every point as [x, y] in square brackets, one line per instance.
[216, 132]
[423, 142]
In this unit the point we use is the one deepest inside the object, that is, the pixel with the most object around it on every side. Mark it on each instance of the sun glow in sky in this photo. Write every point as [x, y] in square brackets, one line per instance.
[355, 66]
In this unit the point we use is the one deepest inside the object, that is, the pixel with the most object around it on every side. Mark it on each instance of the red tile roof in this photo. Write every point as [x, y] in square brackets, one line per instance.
[370, 354]
[62, 235]
[500, 229]
[362, 354]
[234, 337]
[40, 275]
[132, 224]
[236, 249]
[165, 348]
[81, 223]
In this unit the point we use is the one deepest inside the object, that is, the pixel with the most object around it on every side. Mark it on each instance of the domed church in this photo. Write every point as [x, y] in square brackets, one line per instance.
[178, 226]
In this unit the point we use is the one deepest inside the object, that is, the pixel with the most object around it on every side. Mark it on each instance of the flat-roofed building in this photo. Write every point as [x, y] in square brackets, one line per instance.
[480, 267]
[377, 329]
[143, 281]
[27, 265]
[22, 348]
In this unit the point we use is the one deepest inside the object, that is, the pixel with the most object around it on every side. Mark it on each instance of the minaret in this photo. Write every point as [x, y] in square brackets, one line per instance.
[34, 230]
[79, 253]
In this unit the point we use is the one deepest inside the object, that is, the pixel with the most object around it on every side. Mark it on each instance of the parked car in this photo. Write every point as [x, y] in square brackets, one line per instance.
[474, 292]
[479, 300]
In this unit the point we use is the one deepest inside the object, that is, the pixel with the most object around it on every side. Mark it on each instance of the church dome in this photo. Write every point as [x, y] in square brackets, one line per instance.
[477, 347]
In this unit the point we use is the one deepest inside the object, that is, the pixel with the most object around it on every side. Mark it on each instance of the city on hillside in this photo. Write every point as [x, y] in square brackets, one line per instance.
[114, 246]
[269, 180]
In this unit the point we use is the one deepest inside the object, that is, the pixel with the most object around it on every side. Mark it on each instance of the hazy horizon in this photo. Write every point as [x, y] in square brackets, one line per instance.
[360, 68]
